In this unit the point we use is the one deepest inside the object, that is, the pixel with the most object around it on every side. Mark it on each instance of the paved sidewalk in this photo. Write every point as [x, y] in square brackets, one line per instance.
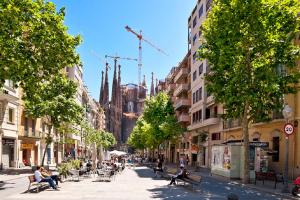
[134, 184]
[267, 187]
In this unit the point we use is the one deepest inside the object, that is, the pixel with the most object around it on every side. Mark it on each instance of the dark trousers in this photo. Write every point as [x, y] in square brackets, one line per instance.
[50, 181]
[55, 178]
[174, 178]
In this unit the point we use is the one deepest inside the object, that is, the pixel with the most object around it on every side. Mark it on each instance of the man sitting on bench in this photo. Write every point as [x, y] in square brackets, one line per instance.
[181, 174]
[39, 178]
[159, 167]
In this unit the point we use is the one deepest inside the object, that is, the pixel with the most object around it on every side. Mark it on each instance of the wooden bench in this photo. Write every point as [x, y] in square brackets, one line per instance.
[269, 176]
[32, 182]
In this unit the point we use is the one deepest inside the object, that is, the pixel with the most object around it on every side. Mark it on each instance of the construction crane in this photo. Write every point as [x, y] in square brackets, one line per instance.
[122, 58]
[101, 60]
[140, 38]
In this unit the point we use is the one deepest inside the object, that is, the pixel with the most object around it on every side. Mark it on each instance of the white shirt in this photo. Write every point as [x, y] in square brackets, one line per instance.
[37, 176]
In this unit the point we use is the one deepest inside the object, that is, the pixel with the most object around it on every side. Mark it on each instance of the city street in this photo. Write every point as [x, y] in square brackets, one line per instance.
[131, 184]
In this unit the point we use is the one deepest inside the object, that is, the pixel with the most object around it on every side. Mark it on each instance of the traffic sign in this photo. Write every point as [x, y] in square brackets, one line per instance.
[288, 129]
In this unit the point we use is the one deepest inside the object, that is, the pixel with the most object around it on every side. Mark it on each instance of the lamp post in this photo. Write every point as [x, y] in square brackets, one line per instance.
[287, 113]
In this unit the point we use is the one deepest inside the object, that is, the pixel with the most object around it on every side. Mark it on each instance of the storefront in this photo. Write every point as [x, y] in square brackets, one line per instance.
[8, 152]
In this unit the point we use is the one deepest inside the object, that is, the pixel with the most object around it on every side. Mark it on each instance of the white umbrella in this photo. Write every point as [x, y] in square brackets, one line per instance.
[117, 153]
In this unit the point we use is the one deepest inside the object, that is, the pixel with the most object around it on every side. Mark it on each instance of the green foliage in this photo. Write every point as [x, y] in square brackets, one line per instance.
[54, 99]
[99, 137]
[246, 43]
[34, 42]
[250, 49]
[158, 124]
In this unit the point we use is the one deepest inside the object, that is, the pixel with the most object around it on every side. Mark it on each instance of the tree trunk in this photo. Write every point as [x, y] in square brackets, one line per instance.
[246, 143]
[45, 150]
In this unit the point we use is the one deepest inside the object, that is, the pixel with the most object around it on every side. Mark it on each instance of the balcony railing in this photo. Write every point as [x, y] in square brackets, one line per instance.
[170, 87]
[181, 88]
[182, 73]
[230, 123]
[184, 118]
[182, 103]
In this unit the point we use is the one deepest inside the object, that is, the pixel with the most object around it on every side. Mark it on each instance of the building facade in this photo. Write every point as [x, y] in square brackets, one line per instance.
[9, 120]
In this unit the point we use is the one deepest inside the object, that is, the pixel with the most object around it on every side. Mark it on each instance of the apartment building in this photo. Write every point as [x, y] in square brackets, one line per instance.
[9, 120]
[206, 126]
[76, 74]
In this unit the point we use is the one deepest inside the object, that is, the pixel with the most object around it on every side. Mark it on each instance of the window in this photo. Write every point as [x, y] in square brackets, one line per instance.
[194, 75]
[26, 124]
[207, 94]
[201, 11]
[197, 96]
[208, 5]
[195, 22]
[215, 136]
[201, 69]
[207, 113]
[11, 115]
[43, 127]
[194, 117]
[33, 126]
[187, 145]
[194, 57]
[200, 93]
[194, 98]
[194, 39]
[200, 115]
[275, 157]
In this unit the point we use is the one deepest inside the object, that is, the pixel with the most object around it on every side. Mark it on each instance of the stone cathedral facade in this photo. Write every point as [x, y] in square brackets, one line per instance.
[125, 105]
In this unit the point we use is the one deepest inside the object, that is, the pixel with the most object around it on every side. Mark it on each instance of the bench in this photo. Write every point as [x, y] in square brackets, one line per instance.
[74, 174]
[269, 176]
[32, 182]
[194, 181]
[166, 173]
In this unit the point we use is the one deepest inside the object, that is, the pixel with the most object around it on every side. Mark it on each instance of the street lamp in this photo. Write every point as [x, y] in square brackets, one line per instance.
[287, 114]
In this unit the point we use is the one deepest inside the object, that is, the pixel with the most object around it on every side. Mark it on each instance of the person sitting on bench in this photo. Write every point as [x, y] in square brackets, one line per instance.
[39, 178]
[181, 174]
[159, 167]
[45, 173]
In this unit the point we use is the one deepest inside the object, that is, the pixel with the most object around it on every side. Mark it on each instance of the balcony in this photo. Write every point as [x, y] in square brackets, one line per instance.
[182, 73]
[204, 123]
[184, 117]
[181, 88]
[230, 123]
[8, 95]
[182, 103]
[29, 133]
[170, 87]
[210, 100]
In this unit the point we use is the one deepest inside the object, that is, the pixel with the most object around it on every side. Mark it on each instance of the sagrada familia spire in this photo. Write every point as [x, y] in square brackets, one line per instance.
[113, 108]
[152, 86]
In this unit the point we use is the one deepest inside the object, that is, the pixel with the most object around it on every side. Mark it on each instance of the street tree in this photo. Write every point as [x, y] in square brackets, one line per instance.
[54, 101]
[251, 54]
[161, 123]
[34, 42]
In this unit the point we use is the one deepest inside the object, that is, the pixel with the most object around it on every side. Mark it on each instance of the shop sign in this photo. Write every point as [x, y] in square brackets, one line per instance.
[8, 142]
[27, 146]
[259, 144]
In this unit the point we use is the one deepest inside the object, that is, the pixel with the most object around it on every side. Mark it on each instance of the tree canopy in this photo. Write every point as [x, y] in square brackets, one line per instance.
[157, 124]
[34, 43]
[250, 51]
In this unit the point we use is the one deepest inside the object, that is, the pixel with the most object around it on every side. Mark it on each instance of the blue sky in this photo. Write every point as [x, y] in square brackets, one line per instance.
[101, 24]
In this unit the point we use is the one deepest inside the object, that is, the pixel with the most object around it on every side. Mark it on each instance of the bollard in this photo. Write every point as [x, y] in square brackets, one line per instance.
[232, 196]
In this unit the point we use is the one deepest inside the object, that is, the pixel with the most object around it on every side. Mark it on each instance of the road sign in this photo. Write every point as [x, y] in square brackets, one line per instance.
[288, 129]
